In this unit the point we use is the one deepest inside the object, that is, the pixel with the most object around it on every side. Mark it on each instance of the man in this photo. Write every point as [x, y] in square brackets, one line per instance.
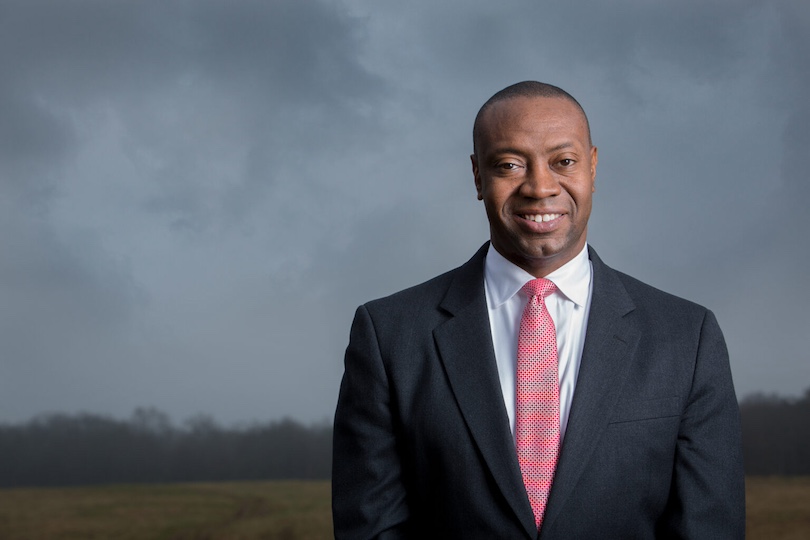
[534, 392]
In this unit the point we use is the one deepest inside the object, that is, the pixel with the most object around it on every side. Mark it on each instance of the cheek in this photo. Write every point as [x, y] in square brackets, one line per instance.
[583, 194]
[492, 209]
[494, 200]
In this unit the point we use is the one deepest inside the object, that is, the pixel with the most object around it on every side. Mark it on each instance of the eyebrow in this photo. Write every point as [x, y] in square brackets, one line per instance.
[512, 150]
[507, 150]
[561, 146]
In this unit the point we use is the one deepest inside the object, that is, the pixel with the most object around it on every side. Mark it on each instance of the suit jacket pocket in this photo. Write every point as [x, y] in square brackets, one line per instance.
[633, 410]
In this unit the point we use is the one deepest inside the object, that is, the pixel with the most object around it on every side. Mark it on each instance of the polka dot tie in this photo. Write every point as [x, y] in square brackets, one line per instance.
[537, 417]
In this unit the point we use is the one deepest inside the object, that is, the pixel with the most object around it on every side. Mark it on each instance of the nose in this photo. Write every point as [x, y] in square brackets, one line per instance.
[540, 182]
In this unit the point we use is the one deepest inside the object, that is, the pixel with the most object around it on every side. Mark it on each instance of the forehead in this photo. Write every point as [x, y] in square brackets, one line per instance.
[538, 119]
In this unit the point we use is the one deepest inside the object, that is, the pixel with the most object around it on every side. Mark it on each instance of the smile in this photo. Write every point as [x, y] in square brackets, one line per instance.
[539, 218]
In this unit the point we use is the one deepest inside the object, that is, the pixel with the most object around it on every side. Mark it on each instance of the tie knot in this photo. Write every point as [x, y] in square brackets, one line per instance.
[541, 287]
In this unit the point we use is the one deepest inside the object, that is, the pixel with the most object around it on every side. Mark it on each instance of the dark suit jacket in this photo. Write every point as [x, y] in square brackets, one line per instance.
[423, 449]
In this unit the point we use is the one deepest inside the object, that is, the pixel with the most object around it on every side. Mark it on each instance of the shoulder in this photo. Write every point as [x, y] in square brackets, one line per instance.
[653, 297]
[425, 300]
[658, 307]
[431, 290]
[419, 303]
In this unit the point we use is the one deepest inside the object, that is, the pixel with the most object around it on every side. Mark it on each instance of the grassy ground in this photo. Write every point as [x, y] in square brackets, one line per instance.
[778, 509]
[220, 511]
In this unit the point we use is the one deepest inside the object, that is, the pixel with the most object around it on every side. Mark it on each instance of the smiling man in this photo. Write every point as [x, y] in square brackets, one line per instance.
[534, 392]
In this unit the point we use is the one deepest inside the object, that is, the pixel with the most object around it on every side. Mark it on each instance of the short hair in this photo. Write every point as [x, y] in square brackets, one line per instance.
[528, 89]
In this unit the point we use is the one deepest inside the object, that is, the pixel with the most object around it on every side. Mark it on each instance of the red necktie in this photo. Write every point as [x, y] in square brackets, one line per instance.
[537, 411]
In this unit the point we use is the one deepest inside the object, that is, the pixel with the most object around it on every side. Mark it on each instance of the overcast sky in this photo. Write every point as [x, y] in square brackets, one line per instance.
[195, 196]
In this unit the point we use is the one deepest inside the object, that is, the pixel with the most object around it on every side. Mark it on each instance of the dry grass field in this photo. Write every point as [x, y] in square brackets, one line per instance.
[217, 511]
[778, 509]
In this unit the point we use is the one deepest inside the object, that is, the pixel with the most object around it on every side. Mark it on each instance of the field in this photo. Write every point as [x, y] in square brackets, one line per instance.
[778, 508]
[217, 511]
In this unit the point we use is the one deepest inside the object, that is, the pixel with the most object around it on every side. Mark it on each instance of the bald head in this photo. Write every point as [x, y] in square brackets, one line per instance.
[525, 89]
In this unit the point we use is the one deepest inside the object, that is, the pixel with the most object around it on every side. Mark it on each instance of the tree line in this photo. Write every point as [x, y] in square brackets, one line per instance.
[63, 450]
[776, 434]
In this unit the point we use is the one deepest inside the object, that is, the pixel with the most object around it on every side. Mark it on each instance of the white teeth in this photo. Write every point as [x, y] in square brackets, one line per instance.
[542, 217]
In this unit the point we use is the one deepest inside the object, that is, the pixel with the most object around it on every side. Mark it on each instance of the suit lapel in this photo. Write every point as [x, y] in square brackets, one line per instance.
[464, 342]
[609, 344]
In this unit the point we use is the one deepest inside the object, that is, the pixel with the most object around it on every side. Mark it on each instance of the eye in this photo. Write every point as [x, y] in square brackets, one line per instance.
[508, 166]
[567, 162]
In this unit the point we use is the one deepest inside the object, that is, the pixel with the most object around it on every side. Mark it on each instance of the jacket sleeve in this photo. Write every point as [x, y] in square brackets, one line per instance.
[368, 495]
[707, 498]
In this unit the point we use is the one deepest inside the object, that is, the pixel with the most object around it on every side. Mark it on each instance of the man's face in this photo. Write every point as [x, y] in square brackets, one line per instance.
[534, 169]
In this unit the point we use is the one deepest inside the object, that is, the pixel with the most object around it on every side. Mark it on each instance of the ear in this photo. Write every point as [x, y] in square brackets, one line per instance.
[594, 161]
[476, 176]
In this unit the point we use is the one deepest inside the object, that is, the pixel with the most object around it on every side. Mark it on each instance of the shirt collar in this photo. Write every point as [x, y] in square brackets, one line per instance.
[504, 279]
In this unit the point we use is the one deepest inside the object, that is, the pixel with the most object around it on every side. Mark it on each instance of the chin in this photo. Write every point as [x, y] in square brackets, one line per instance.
[542, 252]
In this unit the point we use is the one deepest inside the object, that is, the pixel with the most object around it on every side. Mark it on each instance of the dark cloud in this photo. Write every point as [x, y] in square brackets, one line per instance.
[257, 86]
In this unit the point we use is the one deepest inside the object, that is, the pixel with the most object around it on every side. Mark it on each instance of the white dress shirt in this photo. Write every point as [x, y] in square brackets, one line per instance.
[568, 306]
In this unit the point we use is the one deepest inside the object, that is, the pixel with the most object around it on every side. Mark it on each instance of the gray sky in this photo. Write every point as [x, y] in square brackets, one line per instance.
[195, 196]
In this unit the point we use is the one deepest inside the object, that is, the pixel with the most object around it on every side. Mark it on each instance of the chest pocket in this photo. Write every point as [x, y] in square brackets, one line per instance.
[646, 409]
